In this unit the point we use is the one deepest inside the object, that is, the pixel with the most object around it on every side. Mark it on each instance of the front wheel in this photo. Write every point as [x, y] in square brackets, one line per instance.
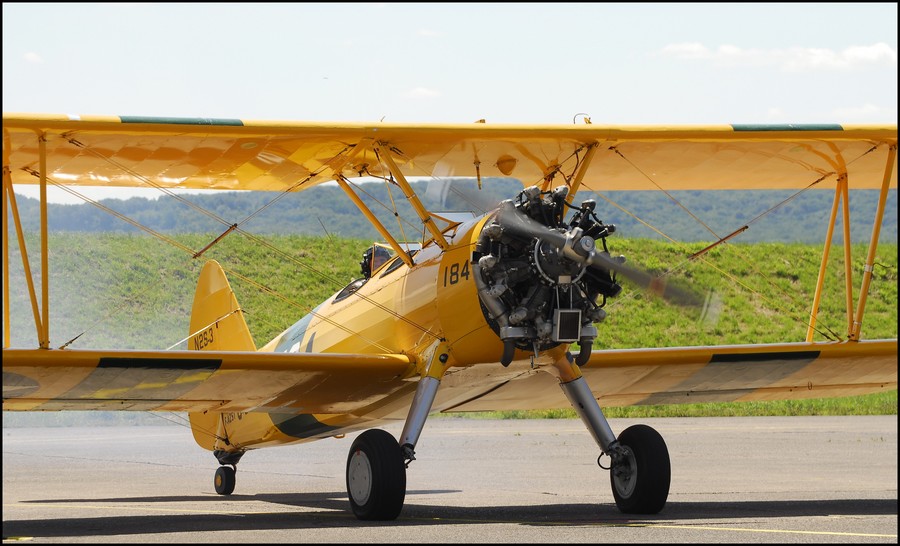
[640, 480]
[376, 476]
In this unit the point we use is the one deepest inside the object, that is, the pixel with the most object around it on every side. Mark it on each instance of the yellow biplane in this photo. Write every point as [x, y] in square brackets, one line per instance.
[481, 314]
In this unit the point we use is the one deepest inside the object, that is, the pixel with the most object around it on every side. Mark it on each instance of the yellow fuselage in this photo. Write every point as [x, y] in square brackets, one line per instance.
[403, 309]
[400, 309]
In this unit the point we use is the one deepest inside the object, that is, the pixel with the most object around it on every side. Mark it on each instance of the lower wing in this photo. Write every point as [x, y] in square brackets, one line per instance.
[684, 375]
[53, 380]
[222, 381]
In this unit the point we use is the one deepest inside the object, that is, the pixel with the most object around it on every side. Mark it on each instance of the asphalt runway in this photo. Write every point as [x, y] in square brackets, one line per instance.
[744, 480]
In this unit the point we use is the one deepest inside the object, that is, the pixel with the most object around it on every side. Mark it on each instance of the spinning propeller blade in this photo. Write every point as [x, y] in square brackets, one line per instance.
[580, 248]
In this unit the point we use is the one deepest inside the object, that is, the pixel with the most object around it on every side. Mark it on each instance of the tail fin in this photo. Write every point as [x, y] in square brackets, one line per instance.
[217, 322]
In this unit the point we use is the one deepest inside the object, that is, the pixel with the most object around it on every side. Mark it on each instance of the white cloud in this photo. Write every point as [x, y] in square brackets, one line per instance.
[725, 55]
[863, 114]
[428, 33]
[791, 60]
[691, 50]
[849, 58]
[867, 113]
[33, 57]
[775, 114]
[422, 93]
[874, 53]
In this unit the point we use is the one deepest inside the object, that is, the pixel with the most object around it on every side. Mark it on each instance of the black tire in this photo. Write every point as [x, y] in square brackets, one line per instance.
[640, 483]
[225, 480]
[376, 476]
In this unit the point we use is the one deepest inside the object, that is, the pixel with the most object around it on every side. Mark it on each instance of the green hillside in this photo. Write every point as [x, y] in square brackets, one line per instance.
[135, 291]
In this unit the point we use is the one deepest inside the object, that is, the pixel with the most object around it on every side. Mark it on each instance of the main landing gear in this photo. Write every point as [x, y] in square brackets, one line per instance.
[376, 473]
[376, 465]
[376, 476]
[640, 472]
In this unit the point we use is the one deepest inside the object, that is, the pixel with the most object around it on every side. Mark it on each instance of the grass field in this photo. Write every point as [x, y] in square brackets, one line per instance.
[135, 292]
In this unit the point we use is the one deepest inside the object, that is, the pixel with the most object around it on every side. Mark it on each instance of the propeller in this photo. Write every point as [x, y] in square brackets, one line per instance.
[533, 279]
[582, 249]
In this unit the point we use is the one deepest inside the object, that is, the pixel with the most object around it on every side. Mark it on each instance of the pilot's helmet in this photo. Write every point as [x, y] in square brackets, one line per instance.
[381, 255]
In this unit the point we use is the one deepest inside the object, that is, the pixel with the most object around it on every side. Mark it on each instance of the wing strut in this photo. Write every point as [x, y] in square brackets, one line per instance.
[842, 200]
[5, 235]
[579, 176]
[873, 244]
[413, 199]
[42, 317]
[370, 216]
[44, 337]
[817, 296]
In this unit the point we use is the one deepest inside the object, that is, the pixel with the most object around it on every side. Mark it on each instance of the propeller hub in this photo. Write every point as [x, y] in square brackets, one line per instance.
[553, 267]
[585, 245]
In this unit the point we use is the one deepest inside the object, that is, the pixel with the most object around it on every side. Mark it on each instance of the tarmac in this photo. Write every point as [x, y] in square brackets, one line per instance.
[738, 480]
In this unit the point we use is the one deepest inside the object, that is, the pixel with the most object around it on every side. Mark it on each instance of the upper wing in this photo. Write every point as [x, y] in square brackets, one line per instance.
[71, 379]
[231, 154]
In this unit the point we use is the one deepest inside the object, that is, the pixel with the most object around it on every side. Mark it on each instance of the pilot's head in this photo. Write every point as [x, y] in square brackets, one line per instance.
[372, 259]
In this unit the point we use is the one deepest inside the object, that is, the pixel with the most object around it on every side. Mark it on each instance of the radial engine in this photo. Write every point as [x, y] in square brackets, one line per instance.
[539, 278]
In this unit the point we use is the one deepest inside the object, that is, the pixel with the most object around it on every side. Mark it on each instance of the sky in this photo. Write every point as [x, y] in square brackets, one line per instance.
[620, 64]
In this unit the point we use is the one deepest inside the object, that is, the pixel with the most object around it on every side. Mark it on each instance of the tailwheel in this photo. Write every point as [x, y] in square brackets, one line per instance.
[376, 476]
[641, 473]
[225, 480]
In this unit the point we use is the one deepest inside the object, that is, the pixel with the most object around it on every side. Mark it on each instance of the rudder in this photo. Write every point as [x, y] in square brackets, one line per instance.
[217, 321]
[217, 324]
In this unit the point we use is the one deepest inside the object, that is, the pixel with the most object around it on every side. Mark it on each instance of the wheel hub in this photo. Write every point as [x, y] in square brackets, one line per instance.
[624, 472]
[359, 476]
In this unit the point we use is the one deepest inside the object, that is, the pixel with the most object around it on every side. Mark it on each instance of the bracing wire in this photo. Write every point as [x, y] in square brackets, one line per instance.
[232, 227]
[830, 334]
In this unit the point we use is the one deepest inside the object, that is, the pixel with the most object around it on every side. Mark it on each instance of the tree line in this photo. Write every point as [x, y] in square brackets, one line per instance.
[689, 216]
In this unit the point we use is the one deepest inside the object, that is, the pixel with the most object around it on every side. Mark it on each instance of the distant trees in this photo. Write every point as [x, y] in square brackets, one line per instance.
[326, 210]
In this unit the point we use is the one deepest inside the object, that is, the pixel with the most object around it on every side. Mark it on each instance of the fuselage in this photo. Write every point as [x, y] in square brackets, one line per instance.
[403, 309]
[399, 309]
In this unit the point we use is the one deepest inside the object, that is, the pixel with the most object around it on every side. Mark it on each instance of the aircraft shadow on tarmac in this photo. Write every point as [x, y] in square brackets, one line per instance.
[333, 510]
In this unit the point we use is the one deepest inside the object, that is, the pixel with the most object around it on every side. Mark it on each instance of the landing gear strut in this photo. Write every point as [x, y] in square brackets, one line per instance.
[225, 478]
[376, 465]
[640, 472]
